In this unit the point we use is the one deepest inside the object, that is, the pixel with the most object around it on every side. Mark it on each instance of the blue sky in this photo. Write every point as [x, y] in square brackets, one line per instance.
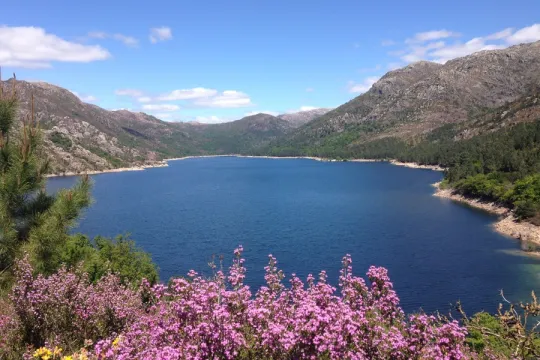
[216, 61]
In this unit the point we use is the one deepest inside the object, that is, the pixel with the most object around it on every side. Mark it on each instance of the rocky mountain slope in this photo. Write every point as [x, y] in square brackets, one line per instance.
[420, 97]
[300, 118]
[405, 104]
[84, 137]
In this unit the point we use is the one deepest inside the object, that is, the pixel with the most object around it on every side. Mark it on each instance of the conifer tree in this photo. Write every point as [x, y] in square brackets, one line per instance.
[31, 220]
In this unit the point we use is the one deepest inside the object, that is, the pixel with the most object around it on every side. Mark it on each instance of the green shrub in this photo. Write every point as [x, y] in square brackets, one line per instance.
[120, 256]
[61, 140]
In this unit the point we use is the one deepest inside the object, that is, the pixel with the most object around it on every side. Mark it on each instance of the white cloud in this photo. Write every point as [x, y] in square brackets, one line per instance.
[431, 35]
[211, 119]
[423, 47]
[187, 94]
[84, 98]
[525, 35]
[88, 98]
[310, 89]
[417, 53]
[160, 34]
[163, 115]
[129, 92]
[161, 107]
[227, 99]
[363, 86]
[273, 113]
[500, 35]
[33, 47]
[388, 43]
[444, 54]
[302, 108]
[196, 97]
[127, 40]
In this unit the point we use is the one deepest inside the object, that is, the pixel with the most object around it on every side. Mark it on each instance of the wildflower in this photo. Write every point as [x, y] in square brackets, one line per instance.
[43, 353]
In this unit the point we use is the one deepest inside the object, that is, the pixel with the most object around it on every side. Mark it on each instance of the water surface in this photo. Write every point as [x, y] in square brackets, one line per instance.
[309, 214]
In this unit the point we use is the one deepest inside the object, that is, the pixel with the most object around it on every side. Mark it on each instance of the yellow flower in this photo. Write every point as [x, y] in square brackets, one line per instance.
[68, 357]
[57, 350]
[116, 341]
[43, 353]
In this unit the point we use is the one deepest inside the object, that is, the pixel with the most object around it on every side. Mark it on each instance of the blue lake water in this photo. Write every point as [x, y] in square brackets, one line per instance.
[309, 214]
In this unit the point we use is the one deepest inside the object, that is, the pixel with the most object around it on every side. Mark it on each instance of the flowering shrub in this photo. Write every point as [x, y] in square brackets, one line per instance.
[66, 309]
[220, 318]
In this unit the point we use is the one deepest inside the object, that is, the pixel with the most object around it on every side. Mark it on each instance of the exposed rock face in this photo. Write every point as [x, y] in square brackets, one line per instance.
[303, 117]
[84, 137]
[404, 103]
[424, 95]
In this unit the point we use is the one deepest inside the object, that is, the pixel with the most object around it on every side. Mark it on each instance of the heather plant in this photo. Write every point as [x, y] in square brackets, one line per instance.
[31, 219]
[66, 309]
[66, 316]
[200, 318]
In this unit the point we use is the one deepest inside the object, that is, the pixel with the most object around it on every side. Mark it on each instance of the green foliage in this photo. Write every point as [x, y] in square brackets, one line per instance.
[119, 256]
[511, 333]
[30, 219]
[37, 223]
[484, 333]
[115, 162]
[501, 165]
[61, 140]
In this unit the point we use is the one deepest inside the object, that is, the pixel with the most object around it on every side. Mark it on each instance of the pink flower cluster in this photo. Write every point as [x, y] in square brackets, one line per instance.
[220, 318]
[65, 308]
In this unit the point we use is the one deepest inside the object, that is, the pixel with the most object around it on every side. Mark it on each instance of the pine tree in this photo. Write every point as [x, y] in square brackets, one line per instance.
[30, 219]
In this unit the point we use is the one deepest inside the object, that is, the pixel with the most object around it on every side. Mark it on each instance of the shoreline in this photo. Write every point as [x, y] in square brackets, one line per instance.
[527, 233]
[506, 224]
[159, 164]
[276, 157]
[165, 163]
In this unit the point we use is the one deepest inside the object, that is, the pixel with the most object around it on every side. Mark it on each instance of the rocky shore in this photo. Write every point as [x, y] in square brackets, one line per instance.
[115, 170]
[527, 233]
[417, 166]
[277, 157]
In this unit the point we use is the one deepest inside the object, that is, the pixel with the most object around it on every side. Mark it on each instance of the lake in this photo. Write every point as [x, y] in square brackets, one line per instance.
[309, 214]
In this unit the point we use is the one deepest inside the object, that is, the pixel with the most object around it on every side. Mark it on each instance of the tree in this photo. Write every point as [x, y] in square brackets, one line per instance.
[30, 219]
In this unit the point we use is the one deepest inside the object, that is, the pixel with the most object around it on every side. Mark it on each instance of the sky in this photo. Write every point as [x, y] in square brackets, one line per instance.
[216, 61]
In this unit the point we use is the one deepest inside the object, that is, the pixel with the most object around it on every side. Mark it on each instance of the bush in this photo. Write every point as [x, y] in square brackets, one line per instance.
[65, 309]
[119, 256]
[61, 140]
[220, 318]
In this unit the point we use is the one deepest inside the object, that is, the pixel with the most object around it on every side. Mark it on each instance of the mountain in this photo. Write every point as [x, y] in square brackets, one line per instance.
[242, 135]
[405, 104]
[412, 101]
[80, 136]
[300, 118]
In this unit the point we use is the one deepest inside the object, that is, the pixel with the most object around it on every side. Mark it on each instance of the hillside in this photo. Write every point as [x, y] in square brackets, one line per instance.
[81, 137]
[300, 118]
[409, 102]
